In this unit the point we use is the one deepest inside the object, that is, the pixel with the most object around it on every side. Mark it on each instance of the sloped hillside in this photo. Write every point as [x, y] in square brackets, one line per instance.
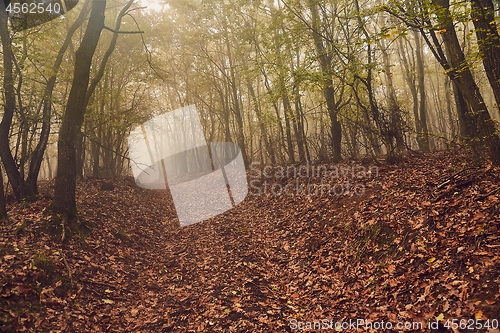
[415, 242]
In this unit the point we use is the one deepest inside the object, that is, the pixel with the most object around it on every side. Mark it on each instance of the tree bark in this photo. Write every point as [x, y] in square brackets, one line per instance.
[479, 126]
[240, 135]
[20, 188]
[37, 155]
[3, 207]
[80, 155]
[488, 39]
[64, 201]
[287, 113]
[325, 60]
[422, 135]
[304, 155]
[262, 126]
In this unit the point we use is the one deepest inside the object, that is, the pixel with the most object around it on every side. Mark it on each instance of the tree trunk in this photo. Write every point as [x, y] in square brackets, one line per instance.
[240, 136]
[335, 127]
[80, 155]
[451, 119]
[287, 112]
[409, 75]
[479, 126]
[325, 60]
[395, 124]
[422, 135]
[37, 155]
[96, 149]
[300, 132]
[20, 188]
[3, 207]
[488, 39]
[64, 201]
[262, 126]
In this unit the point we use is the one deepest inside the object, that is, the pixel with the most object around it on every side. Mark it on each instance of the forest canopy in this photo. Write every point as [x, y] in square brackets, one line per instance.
[287, 81]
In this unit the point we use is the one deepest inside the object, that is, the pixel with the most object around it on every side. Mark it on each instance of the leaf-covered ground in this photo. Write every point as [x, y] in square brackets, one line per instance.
[422, 243]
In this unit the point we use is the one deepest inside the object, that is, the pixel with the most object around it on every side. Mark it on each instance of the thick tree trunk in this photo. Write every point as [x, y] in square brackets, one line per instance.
[80, 155]
[483, 16]
[479, 126]
[37, 156]
[462, 110]
[64, 201]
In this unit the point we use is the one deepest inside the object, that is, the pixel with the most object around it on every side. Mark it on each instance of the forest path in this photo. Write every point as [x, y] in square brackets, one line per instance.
[423, 240]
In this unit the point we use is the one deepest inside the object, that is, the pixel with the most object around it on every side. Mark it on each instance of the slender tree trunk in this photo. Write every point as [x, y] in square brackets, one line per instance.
[368, 128]
[262, 126]
[287, 112]
[395, 128]
[20, 188]
[335, 127]
[37, 155]
[409, 75]
[49, 168]
[281, 133]
[96, 148]
[368, 82]
[236, 98]
[3, 207]
[64, 201]
[325, 60]
[301, 134]
[449, 112]
[422, 135]
[297, 119]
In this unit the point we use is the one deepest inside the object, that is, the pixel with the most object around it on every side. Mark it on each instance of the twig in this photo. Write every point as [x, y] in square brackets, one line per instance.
[109, 286]
[63, 235]
[70, 274]
[447, 180]
[123, 32]
[101, 284]
[481, 198]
